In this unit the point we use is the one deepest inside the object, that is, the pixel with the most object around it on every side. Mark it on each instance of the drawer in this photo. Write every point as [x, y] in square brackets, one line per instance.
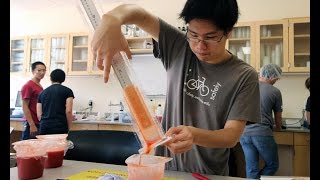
[283, 138]
[302, 139]
[17, 125]
[84, 126]
[115, 127]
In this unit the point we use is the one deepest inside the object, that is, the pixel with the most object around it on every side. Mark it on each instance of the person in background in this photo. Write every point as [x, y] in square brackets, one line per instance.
[54, 107]
[211, 94]
[29, 93]
[257, 139]
[307, 84]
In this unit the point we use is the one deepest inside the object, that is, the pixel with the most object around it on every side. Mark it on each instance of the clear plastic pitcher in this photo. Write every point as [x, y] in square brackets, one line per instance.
[30, 158]
[57, 146]
[146, 167]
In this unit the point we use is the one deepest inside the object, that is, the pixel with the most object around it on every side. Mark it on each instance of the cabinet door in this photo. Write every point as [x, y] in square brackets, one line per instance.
[140, 45]
[299, 44]
[78, 126]
[78, 55]
[37, 51]
[241, 42]
[115, 127]
[18, 49]
[272, 43]
[301, 154]
[58, 46]
[301, 161]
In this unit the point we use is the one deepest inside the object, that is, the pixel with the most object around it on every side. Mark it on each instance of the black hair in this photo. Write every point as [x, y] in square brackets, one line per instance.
[222, 13]
[35, 64]
[307, 83]
[58, 75]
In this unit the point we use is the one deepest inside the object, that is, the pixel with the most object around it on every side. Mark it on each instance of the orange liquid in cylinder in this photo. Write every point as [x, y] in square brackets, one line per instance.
[139, 110]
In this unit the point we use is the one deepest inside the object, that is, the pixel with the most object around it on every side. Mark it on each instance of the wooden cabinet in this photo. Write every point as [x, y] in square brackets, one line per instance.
[272, 43]
[115, 127]
[97, 126]
[70, 52]
[83, 126]
[285, 42]
[140, 45]
[242, 42]
[299, 44]
[301, 162]
[79, 54]
[283, 138]
[293, 152]
[37, 51]
[17, 125]
[58, 50]
[18, 49]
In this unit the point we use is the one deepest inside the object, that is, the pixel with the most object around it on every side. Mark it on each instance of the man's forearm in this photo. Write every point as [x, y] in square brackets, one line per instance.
[29, 118]
[222, 138]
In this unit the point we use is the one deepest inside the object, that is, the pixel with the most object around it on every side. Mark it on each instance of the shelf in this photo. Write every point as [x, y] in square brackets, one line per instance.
[79, 61]
[59, 62]
[137, 51]
[302, 36]
[302, 54]
[80, 46]
[17, 49]
[58, 47]
[16, 63]
[239, 39]
[272, 38]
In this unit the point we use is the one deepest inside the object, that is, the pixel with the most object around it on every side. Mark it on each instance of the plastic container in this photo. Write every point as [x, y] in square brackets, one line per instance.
[144, 166]
[57, 146]
[30, 158]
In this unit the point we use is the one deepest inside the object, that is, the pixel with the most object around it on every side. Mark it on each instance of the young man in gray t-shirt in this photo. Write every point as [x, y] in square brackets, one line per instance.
[211, 94]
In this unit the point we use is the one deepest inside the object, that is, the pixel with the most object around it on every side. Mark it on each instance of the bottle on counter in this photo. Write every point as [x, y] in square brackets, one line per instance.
[159, 113]
[153, 106]
[121, 115]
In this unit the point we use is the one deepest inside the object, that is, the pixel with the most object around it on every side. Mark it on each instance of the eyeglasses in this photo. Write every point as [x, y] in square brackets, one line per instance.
[40, 70]
[207, 40]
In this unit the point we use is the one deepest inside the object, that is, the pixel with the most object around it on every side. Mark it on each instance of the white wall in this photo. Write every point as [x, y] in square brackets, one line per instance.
[63, 17]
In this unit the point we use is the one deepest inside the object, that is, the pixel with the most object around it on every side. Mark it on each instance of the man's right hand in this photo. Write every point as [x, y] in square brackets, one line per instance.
[107, 41]
[33, 130]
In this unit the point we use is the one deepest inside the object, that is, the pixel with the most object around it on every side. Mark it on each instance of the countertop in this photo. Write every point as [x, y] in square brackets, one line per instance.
[300, 129]
[86, 121]
[16, 119]
[70, 167]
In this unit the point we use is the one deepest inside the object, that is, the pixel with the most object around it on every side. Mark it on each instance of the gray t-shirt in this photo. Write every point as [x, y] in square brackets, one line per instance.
[205, 96]
[271, 101]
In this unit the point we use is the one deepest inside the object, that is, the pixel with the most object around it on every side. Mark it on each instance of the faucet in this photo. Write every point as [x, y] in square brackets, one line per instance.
[84, 110]
[120, 104]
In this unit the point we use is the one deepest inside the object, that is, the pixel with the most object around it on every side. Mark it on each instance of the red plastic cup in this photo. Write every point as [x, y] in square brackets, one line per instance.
[54, 158]
[30, 158]
[30, 167]
[55, 149]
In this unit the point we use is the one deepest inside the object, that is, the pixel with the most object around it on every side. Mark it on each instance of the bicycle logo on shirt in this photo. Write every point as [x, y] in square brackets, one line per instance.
[204, 90]
[198, 85]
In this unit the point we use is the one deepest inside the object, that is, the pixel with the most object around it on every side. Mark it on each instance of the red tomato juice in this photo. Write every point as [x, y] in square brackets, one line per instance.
[30, 167]
[54, 159]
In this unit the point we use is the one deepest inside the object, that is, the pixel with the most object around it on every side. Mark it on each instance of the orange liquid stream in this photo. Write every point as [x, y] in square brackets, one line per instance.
[149, 129]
